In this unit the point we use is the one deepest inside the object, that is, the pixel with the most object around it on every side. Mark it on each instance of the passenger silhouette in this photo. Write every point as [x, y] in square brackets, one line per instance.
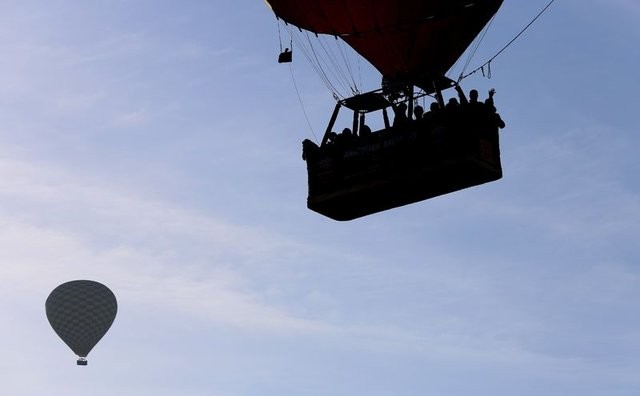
[432, 116]
[452, 104]
[477, 110]
[454, 118]
[365, 130]
[495, 118]
[345, 138]
[418, 112]
[400, 111]
[463, 98]
[489, 100]
[473, 96]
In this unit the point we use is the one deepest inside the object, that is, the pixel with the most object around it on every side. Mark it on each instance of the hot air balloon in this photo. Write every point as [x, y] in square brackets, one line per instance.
[412, 43]
[81, 312]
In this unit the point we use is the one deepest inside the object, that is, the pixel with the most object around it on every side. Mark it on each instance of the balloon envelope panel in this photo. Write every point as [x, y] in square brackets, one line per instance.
[81, 312]
[419, 39]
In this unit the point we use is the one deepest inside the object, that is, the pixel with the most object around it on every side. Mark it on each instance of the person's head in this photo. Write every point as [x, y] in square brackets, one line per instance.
[473, 95]
[453, 102]
[346, 131]
[418, 111]
[434, 106]
[402, 108]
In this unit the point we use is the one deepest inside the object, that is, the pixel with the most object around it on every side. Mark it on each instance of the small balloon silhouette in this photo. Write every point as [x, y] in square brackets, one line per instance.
[81, 312]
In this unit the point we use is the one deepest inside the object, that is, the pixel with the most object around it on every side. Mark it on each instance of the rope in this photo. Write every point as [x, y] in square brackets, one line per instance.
[279, 35]
[304, 111]
[334, 66]
[345, 58]
[310, 54]
[488, 63]
[477, 44]
[329, 61]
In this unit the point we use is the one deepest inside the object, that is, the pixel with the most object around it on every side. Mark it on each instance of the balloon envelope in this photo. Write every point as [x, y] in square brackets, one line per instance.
[81, 312]
[414, 39]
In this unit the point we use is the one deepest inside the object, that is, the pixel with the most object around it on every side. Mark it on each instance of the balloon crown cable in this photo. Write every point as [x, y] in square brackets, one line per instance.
[81, 312]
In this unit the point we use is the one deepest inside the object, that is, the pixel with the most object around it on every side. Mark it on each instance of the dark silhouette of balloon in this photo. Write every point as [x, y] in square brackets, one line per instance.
[81, 312]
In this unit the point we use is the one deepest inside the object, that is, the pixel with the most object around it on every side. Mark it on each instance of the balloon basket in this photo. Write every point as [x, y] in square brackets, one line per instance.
[82, 362]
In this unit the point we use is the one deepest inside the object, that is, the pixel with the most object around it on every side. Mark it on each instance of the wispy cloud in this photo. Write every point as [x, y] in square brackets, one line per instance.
[136, 117]
[166, 247]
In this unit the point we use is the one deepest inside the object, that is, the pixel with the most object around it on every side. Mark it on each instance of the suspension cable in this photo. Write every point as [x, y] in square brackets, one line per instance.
[330, 62]
[334, 66]
[279, 35]
[488, 63]
[477, 44]
[347, 63]
[304, 111]
[308, 52]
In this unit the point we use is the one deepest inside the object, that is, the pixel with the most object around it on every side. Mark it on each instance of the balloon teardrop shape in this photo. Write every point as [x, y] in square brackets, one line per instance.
[81, 312]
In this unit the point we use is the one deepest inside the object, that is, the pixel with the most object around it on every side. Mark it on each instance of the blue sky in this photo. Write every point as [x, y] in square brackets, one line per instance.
[155, 146]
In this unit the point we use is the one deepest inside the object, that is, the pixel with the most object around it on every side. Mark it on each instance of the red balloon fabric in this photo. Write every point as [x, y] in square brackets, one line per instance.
[417, 40]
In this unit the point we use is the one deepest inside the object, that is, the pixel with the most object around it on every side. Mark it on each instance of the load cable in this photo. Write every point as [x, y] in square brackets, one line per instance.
[487, 64]
[304, 111]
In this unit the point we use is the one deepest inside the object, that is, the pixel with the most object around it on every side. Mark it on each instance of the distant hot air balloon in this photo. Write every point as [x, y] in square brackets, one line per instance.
[81, 312]
[413, 44]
